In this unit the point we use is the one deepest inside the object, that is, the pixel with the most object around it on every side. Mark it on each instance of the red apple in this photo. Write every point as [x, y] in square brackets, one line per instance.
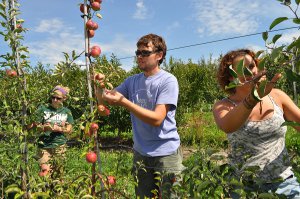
[95, 26]
[99, 1]
[91, 157]
[90, 25]
[96, 6]
[103, 110]
[11, 73]
[82, 7]
[42, 173]
[19, 26]
[90, 33]
[111, 180]
[99, 76]
[95, 51]
[94, 127]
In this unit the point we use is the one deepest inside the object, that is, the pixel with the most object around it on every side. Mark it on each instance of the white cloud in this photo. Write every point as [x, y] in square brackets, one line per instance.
[227, 17]
[51, 26]
[141, 10]
[173, 26]
[61, 38]
[288, 37]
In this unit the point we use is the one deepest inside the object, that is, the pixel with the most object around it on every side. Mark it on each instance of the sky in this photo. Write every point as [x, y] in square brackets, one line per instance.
[56, 26]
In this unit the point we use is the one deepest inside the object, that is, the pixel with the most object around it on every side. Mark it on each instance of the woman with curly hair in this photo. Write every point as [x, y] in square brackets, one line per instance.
[253, 125]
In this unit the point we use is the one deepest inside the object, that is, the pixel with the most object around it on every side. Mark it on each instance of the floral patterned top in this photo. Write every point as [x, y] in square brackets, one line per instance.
[261, 143]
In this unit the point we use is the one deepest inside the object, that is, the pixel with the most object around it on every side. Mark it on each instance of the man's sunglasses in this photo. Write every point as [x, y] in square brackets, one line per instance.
[144, 53]
[57, 98]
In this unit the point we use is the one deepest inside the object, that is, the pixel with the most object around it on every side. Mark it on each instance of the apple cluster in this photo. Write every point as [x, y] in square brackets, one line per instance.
[91, 25]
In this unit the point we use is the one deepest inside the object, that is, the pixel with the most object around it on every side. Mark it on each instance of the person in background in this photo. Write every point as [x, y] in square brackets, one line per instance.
[254, 126]
[54, 121]
[151, 97]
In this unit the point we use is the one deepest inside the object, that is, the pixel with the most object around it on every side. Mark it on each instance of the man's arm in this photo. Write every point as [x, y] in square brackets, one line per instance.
[154, 118]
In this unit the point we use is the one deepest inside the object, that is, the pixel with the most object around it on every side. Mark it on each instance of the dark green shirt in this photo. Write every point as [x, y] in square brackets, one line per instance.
[60, 116]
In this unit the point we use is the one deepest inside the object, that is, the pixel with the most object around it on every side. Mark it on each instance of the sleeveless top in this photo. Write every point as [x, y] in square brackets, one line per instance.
[261, 144]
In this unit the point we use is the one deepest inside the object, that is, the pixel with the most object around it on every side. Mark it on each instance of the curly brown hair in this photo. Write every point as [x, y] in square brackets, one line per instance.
[157, 41]
[223, 74]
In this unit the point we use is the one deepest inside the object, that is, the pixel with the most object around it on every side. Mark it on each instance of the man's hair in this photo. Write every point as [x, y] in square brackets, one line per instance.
[157, 41]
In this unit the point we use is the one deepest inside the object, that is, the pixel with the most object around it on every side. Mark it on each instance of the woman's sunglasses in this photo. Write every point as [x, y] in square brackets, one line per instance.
[57, 98]
[144, 53]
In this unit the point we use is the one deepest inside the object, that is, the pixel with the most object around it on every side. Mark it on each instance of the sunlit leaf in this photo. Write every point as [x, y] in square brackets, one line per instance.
[258, 53]
[277, 21]
[262, 87]
[232, 72]
[255, 95]
[240, 68]
[295, 43]
[275, 38]
[276, 52]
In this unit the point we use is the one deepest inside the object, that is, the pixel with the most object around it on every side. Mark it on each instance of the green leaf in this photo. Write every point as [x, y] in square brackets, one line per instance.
[262, 88]
[255, 95]
[277, 21]
[265, 36]
[240, 68]
[3, 15]
[276, 52]
[232, 72]
[295, 43]
[258, 53]
[231, 85]
[296, 20]
[297, 2]
[292, 76]
[2, 6]
[289, 123]
[247, 72]
[275, 38]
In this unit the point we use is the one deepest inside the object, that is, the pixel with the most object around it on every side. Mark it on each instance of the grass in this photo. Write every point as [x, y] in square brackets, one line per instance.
[198, 132]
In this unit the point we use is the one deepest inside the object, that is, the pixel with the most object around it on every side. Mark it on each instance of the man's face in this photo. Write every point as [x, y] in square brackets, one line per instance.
[148, 57]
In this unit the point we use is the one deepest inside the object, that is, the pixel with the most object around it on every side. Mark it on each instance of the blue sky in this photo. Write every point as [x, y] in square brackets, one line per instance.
[56, 26]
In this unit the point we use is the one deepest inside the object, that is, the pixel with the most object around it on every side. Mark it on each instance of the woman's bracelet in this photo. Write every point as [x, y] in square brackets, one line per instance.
[248, 103]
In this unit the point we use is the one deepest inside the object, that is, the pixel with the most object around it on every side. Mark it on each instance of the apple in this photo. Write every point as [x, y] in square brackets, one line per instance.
[95, 51]
[111, 180]
[11, 73]
[19, 26]
[91, 157]
[95, 26]
[90, 33]
[82, 7]
[94, 127]
[99, 76]
[103, 110]
[90, 25]
[43, 173]
[99, 1]
[95, 6]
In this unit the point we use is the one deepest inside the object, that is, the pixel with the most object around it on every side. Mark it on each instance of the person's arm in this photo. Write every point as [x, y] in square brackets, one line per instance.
[290, 109]
[154, 118]
[230, 118]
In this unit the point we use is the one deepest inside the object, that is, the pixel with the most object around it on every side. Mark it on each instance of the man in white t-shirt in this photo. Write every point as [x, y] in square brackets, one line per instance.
[151, 97]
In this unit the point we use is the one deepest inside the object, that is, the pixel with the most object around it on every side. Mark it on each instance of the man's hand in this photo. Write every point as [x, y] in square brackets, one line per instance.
[112, 97]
